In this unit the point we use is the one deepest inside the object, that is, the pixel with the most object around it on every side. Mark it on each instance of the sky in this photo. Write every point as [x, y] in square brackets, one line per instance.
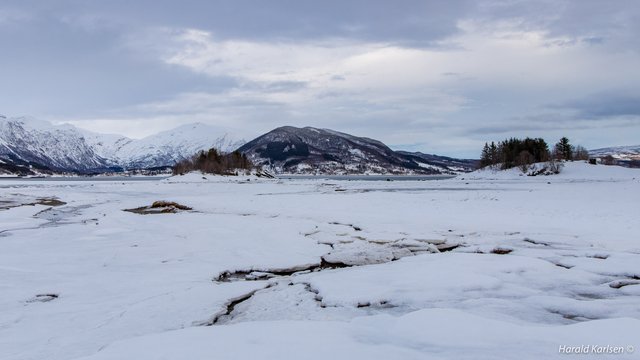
[439, 77]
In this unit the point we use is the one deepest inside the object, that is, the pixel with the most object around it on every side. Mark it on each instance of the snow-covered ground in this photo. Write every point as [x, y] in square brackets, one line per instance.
[484, 266]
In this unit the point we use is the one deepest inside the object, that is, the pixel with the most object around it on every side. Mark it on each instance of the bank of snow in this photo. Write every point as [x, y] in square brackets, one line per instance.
[133, 286]
[424, 334]
[200, 177]
[573, 170]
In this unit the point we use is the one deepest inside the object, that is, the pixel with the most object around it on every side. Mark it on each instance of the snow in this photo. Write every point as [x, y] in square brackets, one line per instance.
[424, 334]
[574, 170]
[163, 148]
[541, 262]
[429, 166]
[57, 146]
[67, 147]
[199, 177]
[357, 153]
[618, 152]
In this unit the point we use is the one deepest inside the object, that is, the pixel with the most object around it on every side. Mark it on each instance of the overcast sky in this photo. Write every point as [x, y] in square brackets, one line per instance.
[434, 76]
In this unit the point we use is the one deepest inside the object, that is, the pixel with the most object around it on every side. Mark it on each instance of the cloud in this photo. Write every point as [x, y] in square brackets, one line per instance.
[10, 16]
[605, 105]
[446, 76]
[494, 73]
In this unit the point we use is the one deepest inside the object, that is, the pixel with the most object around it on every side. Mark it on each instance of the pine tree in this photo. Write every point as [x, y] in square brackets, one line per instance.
[485, 157]
[494, 154]
[564, 149]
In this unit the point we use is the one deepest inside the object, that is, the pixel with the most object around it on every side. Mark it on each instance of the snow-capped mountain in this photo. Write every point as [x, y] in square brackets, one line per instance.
[28, 143]
[308, 150]
[162, 149]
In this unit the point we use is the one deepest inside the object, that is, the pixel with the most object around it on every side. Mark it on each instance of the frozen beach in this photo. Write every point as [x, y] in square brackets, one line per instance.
[486, 265]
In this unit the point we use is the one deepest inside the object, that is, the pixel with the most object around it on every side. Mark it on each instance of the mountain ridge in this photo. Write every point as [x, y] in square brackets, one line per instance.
[630, 152]
[309, 150]
[28, 144]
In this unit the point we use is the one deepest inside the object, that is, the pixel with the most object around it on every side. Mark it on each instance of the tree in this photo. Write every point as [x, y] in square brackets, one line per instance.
[491, 155]
[214, 162]
[514, 152]
[485, 157]
[511, 149]
[563, 149]
[580, 153]
[525, 159]
[494, 154]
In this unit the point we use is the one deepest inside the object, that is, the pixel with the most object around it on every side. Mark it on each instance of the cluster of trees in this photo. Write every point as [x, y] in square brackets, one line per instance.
[514, 152]
[214, 162]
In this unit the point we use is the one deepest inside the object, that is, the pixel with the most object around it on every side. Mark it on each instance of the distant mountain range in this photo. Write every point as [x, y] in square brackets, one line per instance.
[29, 146]
[618, 152]
[628, 156]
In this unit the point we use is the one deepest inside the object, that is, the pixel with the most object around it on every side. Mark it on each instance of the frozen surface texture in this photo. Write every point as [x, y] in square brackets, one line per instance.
[484, 266]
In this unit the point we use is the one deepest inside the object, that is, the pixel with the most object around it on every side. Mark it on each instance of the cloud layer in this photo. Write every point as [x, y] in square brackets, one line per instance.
[432, 76]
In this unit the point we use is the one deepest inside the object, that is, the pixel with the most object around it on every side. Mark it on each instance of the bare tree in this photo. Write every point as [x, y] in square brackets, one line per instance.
[580, 153]
[525, 159]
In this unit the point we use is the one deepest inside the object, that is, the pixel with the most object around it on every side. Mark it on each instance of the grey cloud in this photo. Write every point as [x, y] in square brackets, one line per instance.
[604, 105]
[48, 64]
[72, 58]
[552, 127]
[587, 21]
[408, 21]
[276, 86]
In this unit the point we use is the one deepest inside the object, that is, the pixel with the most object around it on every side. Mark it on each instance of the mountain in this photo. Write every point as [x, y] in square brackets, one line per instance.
[628, 156]
[618, 152]
[28, 144]
[162, 149]
[451, 164]
[308, 150]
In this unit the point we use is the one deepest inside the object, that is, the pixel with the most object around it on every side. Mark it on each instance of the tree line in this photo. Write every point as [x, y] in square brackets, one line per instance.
[214, 162]
[514, 152]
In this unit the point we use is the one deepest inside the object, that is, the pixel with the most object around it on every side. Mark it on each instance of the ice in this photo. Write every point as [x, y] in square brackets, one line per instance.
[423, 334]
[532, 263]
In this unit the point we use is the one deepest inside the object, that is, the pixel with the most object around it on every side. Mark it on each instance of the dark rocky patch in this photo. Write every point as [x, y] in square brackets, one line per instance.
[536, 242]
[43, 298]
[49, 202]
[447, 247]
[160, 207]
[501, 251]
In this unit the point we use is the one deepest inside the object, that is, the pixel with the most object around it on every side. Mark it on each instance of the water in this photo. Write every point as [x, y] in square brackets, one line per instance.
[281, 177]
[367, 177]
[88, 178]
